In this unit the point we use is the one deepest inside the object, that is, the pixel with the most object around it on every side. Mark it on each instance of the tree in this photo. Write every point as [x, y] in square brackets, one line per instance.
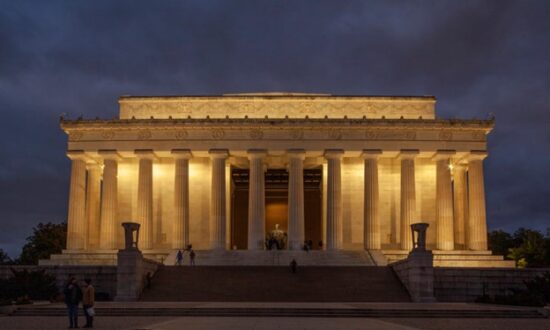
[4, 258]
[47, 239]
[530, 248]
[500, 242]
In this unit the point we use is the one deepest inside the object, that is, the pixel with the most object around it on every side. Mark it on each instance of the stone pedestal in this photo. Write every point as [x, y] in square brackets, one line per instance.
[130, 280]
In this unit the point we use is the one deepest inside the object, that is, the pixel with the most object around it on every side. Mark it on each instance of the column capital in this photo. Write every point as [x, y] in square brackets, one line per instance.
[371, 153]
[77, 155]
[296, 153]
[256, 153]
[408, 153]
[334, 153]
[218, 153]
[93, 166]
[476, 155]
[181, 153]
[145, 154]
[443, 154]
[110, 154]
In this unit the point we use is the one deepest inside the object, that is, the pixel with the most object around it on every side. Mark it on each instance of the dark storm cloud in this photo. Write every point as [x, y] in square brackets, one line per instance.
[77, 57]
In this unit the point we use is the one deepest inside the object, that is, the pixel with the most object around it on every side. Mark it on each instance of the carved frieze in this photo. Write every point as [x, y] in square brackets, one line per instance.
[445, 136]
[107, 134]
[218, 133]
[390, 135]
[256, 134]
[180, 134]
[144, 134]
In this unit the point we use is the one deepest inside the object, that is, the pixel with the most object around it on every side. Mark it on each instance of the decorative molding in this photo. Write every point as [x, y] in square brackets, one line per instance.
[445, 136]
[144, 134]
[180, 134]
[256, 134]
[108, 134]
[218, 133]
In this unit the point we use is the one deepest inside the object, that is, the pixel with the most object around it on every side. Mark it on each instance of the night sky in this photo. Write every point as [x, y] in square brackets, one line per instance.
[77, 57]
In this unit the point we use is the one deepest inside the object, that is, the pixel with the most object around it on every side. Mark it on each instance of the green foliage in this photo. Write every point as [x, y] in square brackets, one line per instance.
[4, 258]
[529, 248]
[25, 285]
[537, 293]
[500, 242]
[47, 239]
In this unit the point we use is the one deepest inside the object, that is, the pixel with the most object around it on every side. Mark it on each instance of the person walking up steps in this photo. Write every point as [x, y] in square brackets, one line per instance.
[192, 257]
[179, 258]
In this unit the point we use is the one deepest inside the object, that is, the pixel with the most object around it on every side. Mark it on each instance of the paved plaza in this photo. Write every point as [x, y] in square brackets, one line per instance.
[268, 323]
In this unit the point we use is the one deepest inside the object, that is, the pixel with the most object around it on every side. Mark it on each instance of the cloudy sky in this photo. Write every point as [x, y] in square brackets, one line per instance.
[76, 57]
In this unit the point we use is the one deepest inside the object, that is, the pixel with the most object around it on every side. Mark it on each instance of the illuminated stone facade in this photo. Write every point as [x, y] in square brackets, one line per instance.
[386, 162]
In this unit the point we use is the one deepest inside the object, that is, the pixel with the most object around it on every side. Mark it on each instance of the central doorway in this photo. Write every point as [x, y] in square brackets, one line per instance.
[276, 204]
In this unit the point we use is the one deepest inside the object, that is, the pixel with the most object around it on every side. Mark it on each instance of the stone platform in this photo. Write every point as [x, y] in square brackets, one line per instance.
[286, 309]
[457, 258]
[276, 258]
[96, 257]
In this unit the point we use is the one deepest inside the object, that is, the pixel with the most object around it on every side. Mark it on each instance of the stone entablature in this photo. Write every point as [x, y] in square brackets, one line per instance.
[277, 105]
[351, 134]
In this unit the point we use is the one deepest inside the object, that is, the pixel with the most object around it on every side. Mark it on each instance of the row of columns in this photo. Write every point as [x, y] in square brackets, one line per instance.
[466, 211]
[461, 221]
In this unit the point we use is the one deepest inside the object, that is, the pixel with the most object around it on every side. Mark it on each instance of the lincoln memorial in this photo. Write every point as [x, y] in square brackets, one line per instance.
[223, 173]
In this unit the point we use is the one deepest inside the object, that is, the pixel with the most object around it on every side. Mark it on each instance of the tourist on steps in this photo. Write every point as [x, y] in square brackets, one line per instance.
[293, 266]
[179, 258]
[192, 257]
[88, 300]
[73, 296]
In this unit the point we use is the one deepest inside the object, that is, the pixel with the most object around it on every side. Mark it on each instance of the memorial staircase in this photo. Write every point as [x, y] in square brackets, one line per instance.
[276, 284]
[276, 258]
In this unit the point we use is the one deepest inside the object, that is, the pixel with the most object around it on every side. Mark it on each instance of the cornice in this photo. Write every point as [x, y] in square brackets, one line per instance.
[92, 124]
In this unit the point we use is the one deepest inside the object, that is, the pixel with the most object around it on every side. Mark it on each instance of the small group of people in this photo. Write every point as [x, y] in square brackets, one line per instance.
[75, 293]
[179, 256]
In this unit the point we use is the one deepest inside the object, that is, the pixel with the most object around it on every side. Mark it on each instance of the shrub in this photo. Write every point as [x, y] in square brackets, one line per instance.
[35, 285]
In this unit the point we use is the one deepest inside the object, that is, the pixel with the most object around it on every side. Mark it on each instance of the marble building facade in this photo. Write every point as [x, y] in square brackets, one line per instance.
[383, 163]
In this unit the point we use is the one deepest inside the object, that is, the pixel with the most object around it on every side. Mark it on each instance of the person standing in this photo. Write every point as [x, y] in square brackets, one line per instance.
[73, 295]
[88, 301]
[192, 257]
[179, 258]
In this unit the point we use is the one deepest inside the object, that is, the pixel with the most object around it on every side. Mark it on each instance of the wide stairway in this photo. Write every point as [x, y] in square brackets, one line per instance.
[276, 284]
[276, 258]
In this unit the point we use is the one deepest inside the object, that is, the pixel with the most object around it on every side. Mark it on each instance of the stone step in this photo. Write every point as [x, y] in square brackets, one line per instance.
[276, 284]
[276, 258]
[387, 312]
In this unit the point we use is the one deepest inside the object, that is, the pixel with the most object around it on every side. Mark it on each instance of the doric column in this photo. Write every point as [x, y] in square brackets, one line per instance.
[334, 199]
[444, 200]
[296, 230]
[256, 200]
[109, 200]
[460, 205]
[477, 225]
[180, 227]
[145, 198]
[371, 225]
[408, 197]
[93, 194]
[217, 202]
[76, 227]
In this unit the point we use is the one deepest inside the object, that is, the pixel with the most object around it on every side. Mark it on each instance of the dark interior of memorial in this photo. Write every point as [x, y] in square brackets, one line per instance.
[276, 204]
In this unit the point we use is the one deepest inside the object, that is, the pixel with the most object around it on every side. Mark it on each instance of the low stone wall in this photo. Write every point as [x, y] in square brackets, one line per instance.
[103, 277]
[466, 284]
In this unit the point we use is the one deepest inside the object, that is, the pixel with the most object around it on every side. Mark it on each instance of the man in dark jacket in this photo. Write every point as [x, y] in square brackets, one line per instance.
[73, 296]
